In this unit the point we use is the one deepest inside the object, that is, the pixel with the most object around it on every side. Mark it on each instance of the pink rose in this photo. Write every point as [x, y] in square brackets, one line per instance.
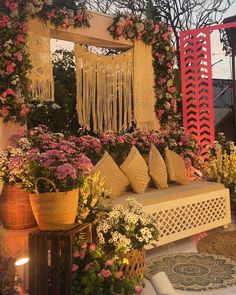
[106, 273]
[21, 38]
[5, 18]
[51, 14]
[2, 23]
[74, 267]
[172, 89]
[13, 6]
[9, 91]
[140, 35]
[138, 289]
[119, 30]
[109, 262]
[10, 68]
[120, 140]
[119, 274]
[92, 247]
[79, 17]
[24, 110]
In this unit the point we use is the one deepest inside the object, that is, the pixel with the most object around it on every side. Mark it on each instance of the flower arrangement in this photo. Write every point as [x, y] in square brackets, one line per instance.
[123, 229]
[221, 166]
[51, 156]
[93, 199]
[96, 273]
[8, 159]
[15, 63]
[89, 145]
[158, 35]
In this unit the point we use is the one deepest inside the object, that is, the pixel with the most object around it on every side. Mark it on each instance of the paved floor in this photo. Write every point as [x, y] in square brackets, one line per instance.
[187, 245]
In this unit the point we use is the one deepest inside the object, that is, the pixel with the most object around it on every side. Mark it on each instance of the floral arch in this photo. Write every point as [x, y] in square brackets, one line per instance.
[77, 24]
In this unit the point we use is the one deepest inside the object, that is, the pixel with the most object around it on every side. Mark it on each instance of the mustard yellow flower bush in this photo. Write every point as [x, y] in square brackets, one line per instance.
[221, 166]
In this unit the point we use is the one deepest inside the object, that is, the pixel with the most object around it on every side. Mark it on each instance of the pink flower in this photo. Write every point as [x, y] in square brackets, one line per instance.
[5, 18]
[51, 14]
[74, 267]
[24, 28]
[9, 91]
[140, 35]
[138, 289]
[13, 6]
[172, 89]
[64, 171]
[119, 30]
[21, 38]
[24, 110]
[106, 273]
[18, 55]
[84, 245]
[79, 17]
[10, 68]
[2, 23]
[109, 262]
[92, 247]
[119, 274]
[120, 139]
[4, 111]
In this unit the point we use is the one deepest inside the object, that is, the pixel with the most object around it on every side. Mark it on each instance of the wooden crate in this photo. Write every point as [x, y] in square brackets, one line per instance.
[51, 259]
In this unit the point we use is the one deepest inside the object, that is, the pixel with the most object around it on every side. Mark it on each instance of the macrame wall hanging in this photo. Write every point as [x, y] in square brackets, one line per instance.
[144, 94]
[41, 74]
[104, 90]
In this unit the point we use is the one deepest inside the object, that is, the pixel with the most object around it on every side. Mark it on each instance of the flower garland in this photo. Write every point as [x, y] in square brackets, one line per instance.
[158, 35]
[14, 59]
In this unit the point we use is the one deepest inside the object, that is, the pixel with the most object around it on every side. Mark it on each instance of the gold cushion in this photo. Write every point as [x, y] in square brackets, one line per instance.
[175, 167]
[157, 168]
[136, 170]
[115, 182]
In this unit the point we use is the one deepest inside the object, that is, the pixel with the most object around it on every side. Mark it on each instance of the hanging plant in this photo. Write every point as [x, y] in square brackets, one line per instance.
[158, 35]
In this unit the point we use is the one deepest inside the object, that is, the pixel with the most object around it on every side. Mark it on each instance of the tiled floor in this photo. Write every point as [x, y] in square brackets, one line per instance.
[187, 245]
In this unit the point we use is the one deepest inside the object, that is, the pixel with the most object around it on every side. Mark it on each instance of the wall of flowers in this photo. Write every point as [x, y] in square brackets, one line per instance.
[15, 62]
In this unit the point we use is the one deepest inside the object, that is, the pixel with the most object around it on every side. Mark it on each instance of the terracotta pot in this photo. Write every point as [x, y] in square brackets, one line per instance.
[15, 208]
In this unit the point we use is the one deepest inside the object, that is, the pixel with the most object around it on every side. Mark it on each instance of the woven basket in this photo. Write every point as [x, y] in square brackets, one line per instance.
[15, 208]
[136, 266]
[55, 211]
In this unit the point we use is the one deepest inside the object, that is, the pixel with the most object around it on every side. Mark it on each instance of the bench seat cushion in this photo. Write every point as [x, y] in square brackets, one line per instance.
[155, 196]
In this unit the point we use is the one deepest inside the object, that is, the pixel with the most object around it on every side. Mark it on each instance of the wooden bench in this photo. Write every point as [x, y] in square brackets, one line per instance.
[185, 210]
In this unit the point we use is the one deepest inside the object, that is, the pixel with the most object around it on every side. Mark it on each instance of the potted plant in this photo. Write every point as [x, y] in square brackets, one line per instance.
[93, 199]
[15, 208]
[95, 272]
[128, 232]
[52, 172]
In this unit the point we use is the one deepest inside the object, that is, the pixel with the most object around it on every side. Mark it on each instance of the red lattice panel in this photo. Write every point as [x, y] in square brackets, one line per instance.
[196, 73]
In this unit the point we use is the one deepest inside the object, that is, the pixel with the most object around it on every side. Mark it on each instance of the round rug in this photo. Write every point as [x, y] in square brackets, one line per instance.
[223, 243]
[193, 271]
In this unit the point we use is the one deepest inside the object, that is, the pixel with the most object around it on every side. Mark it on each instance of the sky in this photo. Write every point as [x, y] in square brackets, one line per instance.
[221, 64]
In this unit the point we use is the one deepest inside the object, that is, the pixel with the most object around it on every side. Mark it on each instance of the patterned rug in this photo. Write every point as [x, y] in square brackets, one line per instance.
[223, 243]
[193, 271]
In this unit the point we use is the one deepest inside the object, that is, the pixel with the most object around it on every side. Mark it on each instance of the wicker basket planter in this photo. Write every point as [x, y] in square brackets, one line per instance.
[55, 211]
[15, 208]
[136, 266]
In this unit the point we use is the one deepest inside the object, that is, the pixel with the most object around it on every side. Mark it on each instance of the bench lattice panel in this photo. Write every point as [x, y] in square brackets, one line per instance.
[189, 216]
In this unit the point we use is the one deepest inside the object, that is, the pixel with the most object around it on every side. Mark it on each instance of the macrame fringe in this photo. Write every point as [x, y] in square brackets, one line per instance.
[104, 90]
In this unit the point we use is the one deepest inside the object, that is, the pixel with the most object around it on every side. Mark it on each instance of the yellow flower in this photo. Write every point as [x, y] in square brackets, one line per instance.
[125, 261]
[169, 83]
